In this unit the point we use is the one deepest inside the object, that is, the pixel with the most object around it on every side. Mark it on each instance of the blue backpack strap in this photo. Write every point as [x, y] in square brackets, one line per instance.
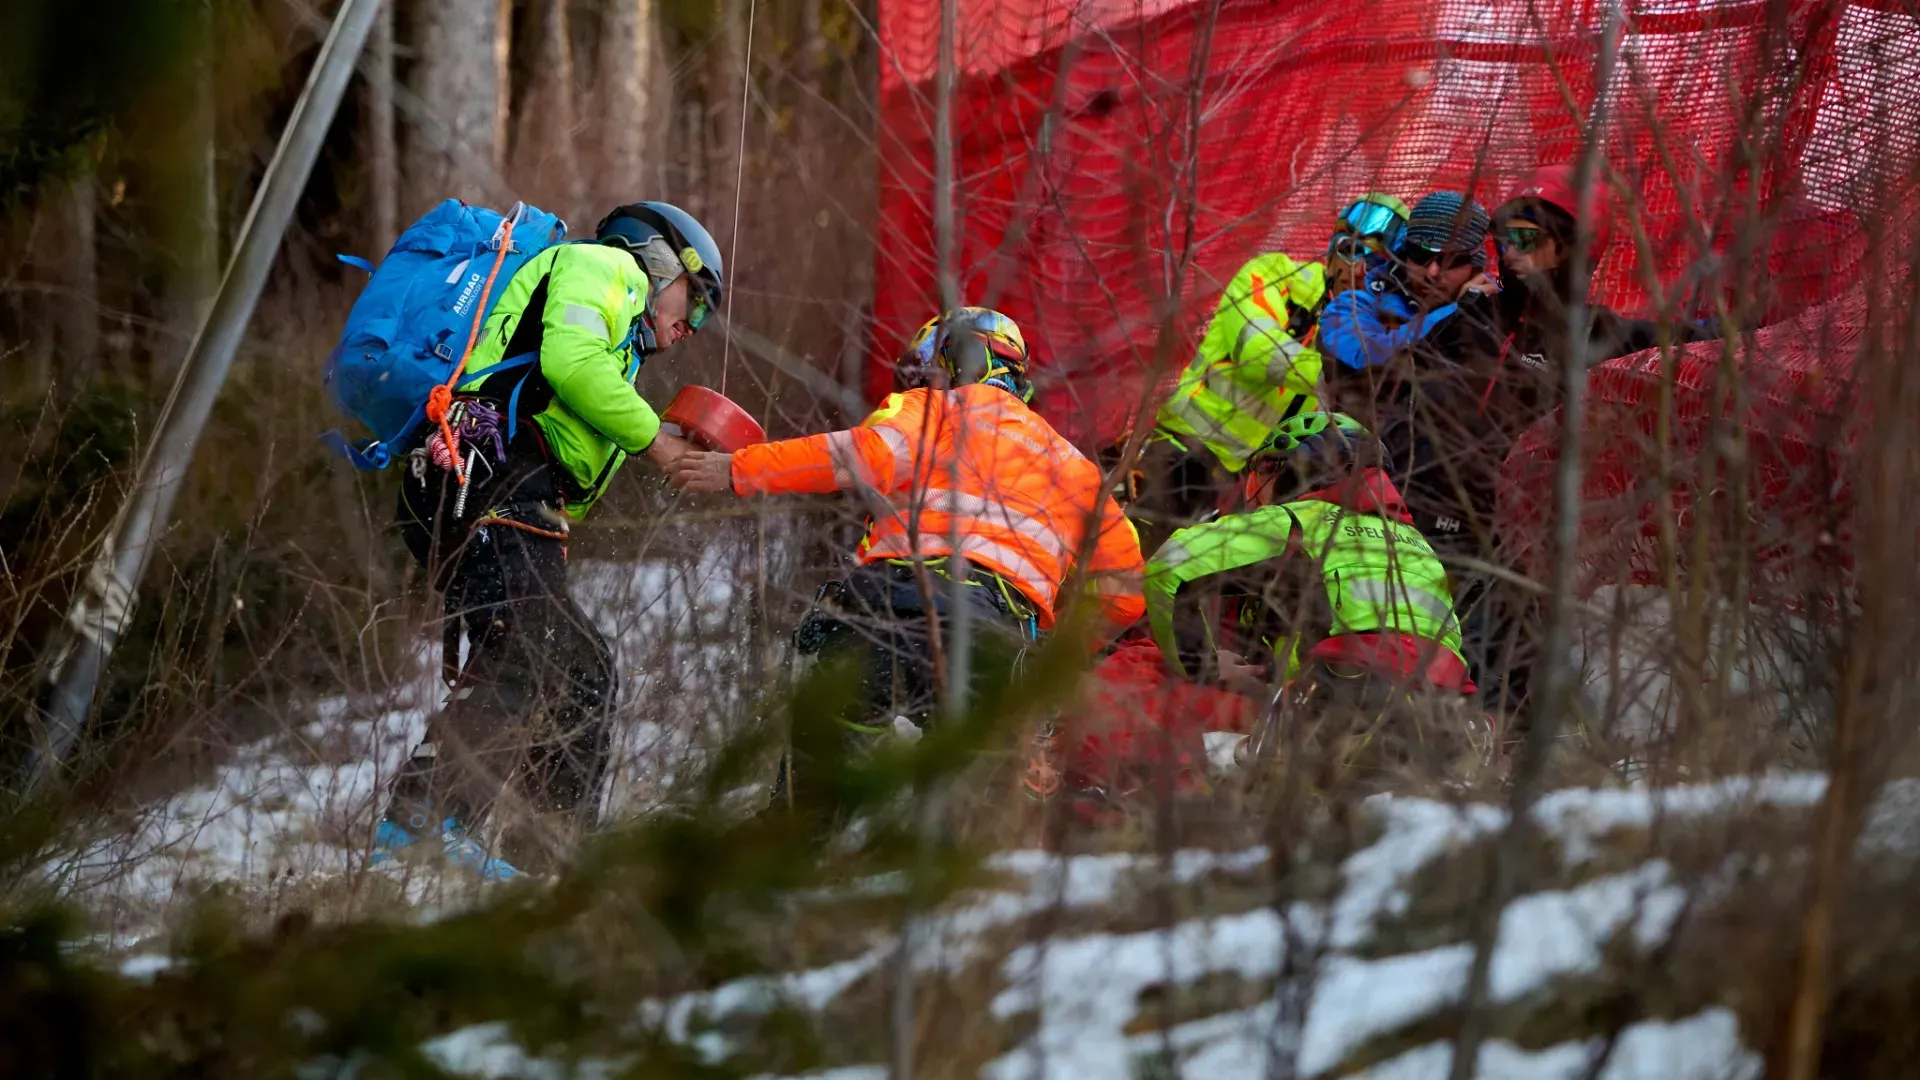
[511, 363]
[356, 262]
[368, 458]
[513, 410]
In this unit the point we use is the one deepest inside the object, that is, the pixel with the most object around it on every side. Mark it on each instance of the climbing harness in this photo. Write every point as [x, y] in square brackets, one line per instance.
[479, 424]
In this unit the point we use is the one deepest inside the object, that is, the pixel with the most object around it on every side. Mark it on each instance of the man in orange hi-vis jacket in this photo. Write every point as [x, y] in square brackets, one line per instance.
[972, 462]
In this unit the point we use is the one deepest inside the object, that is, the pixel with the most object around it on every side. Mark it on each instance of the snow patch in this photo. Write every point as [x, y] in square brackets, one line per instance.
[852, 1072]
[1579, 818]
[489, 1052]
[1703, 1047]
[1543, 937]
[1417, 832]
[1087, 989]
[949, 940]
[278, 811]
[145, 966]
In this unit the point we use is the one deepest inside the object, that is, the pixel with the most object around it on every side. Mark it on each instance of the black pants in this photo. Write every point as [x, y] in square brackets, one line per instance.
[877, 616]
[1499, 636]
[529, 710]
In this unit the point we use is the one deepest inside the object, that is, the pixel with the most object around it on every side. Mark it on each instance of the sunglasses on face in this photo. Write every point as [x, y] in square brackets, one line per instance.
[1418, 255]
[1520, 238]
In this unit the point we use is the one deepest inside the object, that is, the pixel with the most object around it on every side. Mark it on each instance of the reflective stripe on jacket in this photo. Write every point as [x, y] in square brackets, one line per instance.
[976, 461]
[1381, 576]
[588, 296]
[1250, 372]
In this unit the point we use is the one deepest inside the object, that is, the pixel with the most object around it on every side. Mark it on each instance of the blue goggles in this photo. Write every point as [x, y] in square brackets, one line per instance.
[1370, 221]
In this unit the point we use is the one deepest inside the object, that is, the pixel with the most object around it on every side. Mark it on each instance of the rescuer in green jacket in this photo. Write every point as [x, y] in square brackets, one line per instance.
[1322, 584]
[1256, 366]
[539, 439]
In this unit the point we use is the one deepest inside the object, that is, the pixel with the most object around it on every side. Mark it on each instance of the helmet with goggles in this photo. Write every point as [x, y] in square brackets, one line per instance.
[635, 226]
[1374, 222]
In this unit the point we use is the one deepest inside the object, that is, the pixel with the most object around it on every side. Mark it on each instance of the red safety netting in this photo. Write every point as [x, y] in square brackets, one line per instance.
[1111, 155]
[1758, 464]
[1116, 161]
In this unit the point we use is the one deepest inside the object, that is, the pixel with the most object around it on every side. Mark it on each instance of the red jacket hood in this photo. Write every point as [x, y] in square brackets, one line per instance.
[1371, 492]
[1554, 184]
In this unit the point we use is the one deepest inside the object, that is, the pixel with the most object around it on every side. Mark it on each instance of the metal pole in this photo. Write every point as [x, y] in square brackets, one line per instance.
[100, 610]
[945, 240]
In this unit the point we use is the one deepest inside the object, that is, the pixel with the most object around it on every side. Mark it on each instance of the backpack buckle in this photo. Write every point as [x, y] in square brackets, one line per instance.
[443, 350]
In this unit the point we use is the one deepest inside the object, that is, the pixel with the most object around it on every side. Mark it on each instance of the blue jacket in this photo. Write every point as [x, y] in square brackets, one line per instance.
[1355, 330]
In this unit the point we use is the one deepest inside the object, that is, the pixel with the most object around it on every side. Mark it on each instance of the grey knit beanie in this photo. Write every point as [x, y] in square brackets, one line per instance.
[1449, 221]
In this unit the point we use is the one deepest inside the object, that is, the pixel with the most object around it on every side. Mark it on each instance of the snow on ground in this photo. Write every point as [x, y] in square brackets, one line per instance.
[671, 626]
[300, 806]
[296, 809]
[1543, 936]
[265, 814]
[1080, 996]
[1703, 1047]
[1627, 658]
[1086, 989]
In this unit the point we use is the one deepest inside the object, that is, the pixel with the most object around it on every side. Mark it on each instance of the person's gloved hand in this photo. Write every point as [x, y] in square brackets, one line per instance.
[702, 471]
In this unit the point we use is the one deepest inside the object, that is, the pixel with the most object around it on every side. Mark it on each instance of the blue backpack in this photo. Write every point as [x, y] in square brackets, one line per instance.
[410, 327]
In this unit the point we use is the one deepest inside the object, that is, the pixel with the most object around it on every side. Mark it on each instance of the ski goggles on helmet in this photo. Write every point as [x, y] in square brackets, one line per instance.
[1375, 221]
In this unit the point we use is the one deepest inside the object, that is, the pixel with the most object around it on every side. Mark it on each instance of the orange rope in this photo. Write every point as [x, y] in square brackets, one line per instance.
[551, 534]
[440, 398]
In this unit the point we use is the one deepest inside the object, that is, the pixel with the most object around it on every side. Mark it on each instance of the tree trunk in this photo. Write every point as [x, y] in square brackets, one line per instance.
[728, 151]
[695, 141]
[855, 329]
[460, 76]
[195, 275]
[383, 162]
[624, 98]
[813, 49]
[545, 125]
[68, 249]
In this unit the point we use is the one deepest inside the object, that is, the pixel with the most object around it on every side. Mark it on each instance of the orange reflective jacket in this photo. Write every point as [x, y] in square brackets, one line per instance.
[978, 462]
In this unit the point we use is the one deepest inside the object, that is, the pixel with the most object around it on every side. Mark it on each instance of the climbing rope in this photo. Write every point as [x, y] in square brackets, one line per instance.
[440, 398]
[495, 519]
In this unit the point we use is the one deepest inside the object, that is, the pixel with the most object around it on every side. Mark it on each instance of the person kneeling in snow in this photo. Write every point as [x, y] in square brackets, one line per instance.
[1323, 585]
[960, 457]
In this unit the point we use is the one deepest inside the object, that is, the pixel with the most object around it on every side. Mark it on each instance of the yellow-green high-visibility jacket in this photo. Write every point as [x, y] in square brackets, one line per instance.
[1250, 373]
[585, 298]
[1380, 576]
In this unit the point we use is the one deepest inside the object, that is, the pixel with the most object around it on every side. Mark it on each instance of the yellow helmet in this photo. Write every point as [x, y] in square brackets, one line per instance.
[972, 345]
